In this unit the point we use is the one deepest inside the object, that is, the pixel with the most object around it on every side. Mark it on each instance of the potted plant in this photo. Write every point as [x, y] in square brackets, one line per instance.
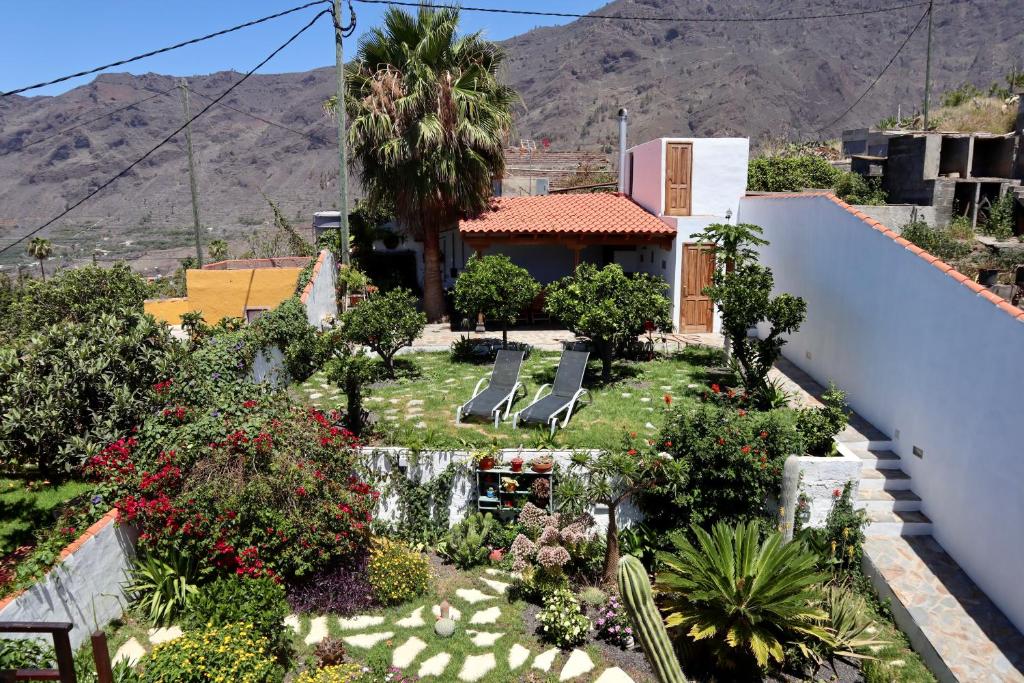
[542, 463]
[487, 458]
[517, 463]
[509, 485]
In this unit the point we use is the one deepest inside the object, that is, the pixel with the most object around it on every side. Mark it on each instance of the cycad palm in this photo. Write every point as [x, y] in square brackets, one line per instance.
[428, 121]
[747, 597]
[40, 249]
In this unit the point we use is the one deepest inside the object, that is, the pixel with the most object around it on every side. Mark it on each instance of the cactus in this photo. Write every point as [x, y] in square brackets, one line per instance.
[465, 544]
[444, 627]
[635, 590]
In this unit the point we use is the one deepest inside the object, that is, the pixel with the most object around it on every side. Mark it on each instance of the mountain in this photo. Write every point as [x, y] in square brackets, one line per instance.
[762, 79]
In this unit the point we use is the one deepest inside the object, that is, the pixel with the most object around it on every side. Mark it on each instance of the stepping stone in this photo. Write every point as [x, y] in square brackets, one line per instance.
[472, 595]
[453, 612]
[614, 675]
[315, 395]
[544, 660]
[625, 395]
[517, 656]
[434, 666]
[393, 401]
[292, 622]
[645, 399]
[359, 621]
[666, 387]
[496, 586]
[649, 426]
[420, 425]
[367, 640]
[414, 620]
[486, 616]
[477, 666]
[450, 381]
[579, 663]
[163, 635]
[415, 402]
[406, 653]
[692, 386]
[317, 630]
[502, 572]
[131, 652]
[484, 638]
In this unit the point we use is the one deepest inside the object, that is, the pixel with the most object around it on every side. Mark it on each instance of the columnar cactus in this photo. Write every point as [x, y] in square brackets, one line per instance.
[635, 591]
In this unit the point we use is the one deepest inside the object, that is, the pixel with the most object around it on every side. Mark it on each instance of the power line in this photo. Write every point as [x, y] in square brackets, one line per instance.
[626, 17]
[309, 136]
[92, 120]
[193, 41]
[880, 74]
[167, 139]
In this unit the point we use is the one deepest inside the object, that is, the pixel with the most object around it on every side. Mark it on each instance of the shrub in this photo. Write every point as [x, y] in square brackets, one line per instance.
[496, 287]
[817, 426]
[840, 543]
[853, 188]
[613, 623]
[228, 653]
[350, 368]
[592, 596]
[342, 588]
[163, 588]
[1001, 221]
[609, 307]
[465, 544]
[743, 598]
[397, 572]
[339, 673]
[241, 600]
[288, 328]
[25, 654]
[386, 323]
[726, 463]
[562, 622]
[937, 242]
[790, 173]
[71, 388]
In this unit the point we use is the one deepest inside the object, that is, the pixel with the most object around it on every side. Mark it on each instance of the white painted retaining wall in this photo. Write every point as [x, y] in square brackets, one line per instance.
[85, 588]
[319, 296]
[925, 358]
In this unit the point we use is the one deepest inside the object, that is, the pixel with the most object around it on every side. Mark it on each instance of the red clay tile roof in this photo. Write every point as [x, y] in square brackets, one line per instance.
[1000, 303]
[599, 213]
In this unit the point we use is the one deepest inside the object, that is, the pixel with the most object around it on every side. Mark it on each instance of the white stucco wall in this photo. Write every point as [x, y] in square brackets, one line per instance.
[85, 588]
[927, 360]
[321, 299]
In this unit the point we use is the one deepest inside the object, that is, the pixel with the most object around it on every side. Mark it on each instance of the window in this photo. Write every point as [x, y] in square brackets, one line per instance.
[252, 314]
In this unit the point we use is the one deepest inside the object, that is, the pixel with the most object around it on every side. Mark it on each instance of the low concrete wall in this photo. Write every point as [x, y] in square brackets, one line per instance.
[895, 216]
[319, 295]
[85, 588]
[815, 480]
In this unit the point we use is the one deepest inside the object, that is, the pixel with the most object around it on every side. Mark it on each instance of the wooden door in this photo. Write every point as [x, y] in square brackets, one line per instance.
[696, 312]
[678, 167]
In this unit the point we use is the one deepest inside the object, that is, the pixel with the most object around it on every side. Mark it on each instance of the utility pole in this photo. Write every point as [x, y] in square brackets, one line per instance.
[339, 56]
[183, 84]
[928, 64]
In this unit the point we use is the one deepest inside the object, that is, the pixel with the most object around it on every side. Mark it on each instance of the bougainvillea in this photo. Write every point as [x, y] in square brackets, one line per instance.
[252, 491]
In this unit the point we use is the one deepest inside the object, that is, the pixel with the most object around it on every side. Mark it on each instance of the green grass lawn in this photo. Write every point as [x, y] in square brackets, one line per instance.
[418, 408]
[28, 505]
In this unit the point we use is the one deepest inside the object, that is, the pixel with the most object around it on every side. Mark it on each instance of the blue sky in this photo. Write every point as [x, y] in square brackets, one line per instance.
[44, 40]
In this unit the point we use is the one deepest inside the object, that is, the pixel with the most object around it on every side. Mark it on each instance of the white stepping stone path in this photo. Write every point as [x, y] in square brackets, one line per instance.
[666, 387]
[292, 622]
[434, 666]
[414, 620]
[131, 652]
[163, 635]
[579, 663]
[501, 572]
[614, 675]
[407, 652]
[477, 666]
[472, 595]
[453, 612]
[415, 402]
[367, 640]
[625, 395]
[544, 660]
[496, 586]
[649, 426]
[317, 630]
[315, 395]
[486, 616]
[517, 656]
[420, 425]
[484, 638]
[359, 621]
[645, 399]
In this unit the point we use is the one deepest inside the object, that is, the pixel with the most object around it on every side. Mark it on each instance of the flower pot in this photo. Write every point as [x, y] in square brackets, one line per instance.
[517, 465]
[541, 467]
[486, 463]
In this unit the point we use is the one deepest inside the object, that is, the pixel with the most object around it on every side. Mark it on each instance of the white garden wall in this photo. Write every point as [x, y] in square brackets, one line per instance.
[925, 357]
[319, 296]
[85, 588]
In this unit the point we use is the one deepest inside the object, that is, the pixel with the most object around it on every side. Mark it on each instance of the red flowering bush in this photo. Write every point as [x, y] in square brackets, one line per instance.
[256, 493]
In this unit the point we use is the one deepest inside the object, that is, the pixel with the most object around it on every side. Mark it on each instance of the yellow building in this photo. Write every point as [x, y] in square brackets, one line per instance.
[231, 289]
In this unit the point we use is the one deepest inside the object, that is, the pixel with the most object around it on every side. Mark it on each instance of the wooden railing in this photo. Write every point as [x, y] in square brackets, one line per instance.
[65, 671]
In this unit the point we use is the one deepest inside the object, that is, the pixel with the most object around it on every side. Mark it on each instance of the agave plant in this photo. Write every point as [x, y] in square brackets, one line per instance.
[743, 596]
[162, 589]
[850, 627]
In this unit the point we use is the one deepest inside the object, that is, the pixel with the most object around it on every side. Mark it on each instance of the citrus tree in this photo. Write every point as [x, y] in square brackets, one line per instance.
[496, 287]
[385, 323]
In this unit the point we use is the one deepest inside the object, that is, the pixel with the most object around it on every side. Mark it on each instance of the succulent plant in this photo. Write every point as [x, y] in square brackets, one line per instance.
[635, 589]
[444, 627]
[330, 652]
[593, 596]
[465, 543]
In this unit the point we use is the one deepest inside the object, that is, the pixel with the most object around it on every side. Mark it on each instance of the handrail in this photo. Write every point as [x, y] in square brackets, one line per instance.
[58, 630]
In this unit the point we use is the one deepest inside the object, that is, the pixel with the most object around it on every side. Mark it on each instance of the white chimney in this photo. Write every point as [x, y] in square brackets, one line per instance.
[623, 115]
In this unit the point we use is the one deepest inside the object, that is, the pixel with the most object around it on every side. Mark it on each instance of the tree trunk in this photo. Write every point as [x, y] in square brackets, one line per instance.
[433, 295]
[611, 552]
[607, 351]
[42, 271]
[730, 266]
[504, 334]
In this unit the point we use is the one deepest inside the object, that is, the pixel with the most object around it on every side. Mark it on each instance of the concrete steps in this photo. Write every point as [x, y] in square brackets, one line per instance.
[877, 459]
[880, 500]
[886, 493]
[900, 523]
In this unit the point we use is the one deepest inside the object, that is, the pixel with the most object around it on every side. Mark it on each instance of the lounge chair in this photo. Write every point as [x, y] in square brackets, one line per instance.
[501, 390]
[565, 392]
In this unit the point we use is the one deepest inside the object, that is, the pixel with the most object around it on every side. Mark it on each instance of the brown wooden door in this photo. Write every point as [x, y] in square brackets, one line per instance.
[678, 167]
[696, 310]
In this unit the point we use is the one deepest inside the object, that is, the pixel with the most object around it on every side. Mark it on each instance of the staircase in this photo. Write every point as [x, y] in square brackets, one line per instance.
[886, 491]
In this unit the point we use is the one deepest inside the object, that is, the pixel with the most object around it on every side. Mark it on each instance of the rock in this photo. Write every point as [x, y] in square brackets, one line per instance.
[486, 616]
[414, 620]
[484, 638]
[472, 595]
[131, 652]
[453, 612]
[434, 666]
[292, 622]
[579, 663]
[544, 660]
[162, 635]
[496, 586]
[406, 653]
[477, 666]
[367, 640]
[614, 675]
[650, 425]
[517, 656]
[359, 621]
[317, 630]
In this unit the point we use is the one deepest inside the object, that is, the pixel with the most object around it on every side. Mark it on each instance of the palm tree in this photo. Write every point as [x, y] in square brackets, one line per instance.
[218, 250]
[429, 117]
[40, 249]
